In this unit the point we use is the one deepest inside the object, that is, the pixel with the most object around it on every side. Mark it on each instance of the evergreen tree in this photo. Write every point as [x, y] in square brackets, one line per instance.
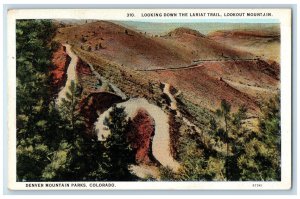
[69, 108]
[236, 139]
[78, 156]
[225, 113]
[51, 144]
[270, 123]
[193, 161]
[33, 118]
[261, 157]
[117, 147]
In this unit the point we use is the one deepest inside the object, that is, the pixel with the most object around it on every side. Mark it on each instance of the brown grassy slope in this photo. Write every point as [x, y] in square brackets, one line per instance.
[131, 48]
[194, 46]
[256, 78]
[122, 53]
[263, 43]
[123, 46]
[206, 91]
[208, 84]
[132, 82]
[255, 72]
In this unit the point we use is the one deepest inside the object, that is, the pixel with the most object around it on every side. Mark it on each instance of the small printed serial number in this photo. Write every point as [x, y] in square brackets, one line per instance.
[257, 185]
[130, 15]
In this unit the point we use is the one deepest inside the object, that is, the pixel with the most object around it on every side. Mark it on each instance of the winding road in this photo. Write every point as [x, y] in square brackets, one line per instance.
[104, 81]
[71, 74]
[173, 106]
[196, 64]
[161, 139]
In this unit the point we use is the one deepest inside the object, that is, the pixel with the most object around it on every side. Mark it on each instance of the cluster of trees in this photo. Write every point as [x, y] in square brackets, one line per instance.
[98, 46]
[51, 141]
[246, 155]
[89, 47]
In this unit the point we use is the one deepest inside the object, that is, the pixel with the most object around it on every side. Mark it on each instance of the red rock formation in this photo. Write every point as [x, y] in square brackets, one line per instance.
[60, 61]
[96, 101]
[83, 68]
[140, 135]
[174, 135]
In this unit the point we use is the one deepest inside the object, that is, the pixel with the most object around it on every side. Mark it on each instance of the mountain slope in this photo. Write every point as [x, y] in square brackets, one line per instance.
[194, 46]
[206, 72]
[120, 45]
[263, 42]
[123, 46]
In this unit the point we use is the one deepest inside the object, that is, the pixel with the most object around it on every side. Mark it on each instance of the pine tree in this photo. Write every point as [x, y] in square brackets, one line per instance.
[69, 108]
[118, 150]
[60, 167]
[51, 143]
[33, 61]
[193, 161]
[77, 156]
[260, 157]
[225, 113]
[270, 122]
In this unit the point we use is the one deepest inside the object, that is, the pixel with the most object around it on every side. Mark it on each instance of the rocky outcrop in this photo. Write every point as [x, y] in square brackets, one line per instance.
[141, 131]
[71, 74]
[96, 103]
[95, 97]
[83, 68]
[60, 61]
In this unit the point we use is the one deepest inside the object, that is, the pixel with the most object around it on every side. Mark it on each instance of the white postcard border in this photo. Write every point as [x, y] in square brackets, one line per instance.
[283, 15]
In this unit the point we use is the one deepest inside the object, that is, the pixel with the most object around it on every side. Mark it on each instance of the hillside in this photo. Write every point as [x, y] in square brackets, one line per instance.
[137, 50]
[131, 51]
[183, 67]
[211, 82]
[120, 45]
[264, 43]
[193, 45]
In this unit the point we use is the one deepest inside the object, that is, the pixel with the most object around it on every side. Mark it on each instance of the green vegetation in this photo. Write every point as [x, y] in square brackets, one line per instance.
[117, 146]
[261, 160]
[199, 115]
[247, 155]
[52, 143]
[34, 110]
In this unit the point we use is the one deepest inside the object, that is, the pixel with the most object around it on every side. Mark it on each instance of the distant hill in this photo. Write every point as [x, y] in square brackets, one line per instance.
[179, 48]
[264, 42]
[195, 46]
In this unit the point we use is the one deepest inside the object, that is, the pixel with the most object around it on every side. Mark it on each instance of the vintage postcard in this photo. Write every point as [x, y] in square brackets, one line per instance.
[149, 99]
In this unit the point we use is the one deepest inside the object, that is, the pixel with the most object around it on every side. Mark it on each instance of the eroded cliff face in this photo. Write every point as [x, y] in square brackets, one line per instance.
[95, 98]
[60, 61]
[94, 104]
[83, 68]
[141, 131]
